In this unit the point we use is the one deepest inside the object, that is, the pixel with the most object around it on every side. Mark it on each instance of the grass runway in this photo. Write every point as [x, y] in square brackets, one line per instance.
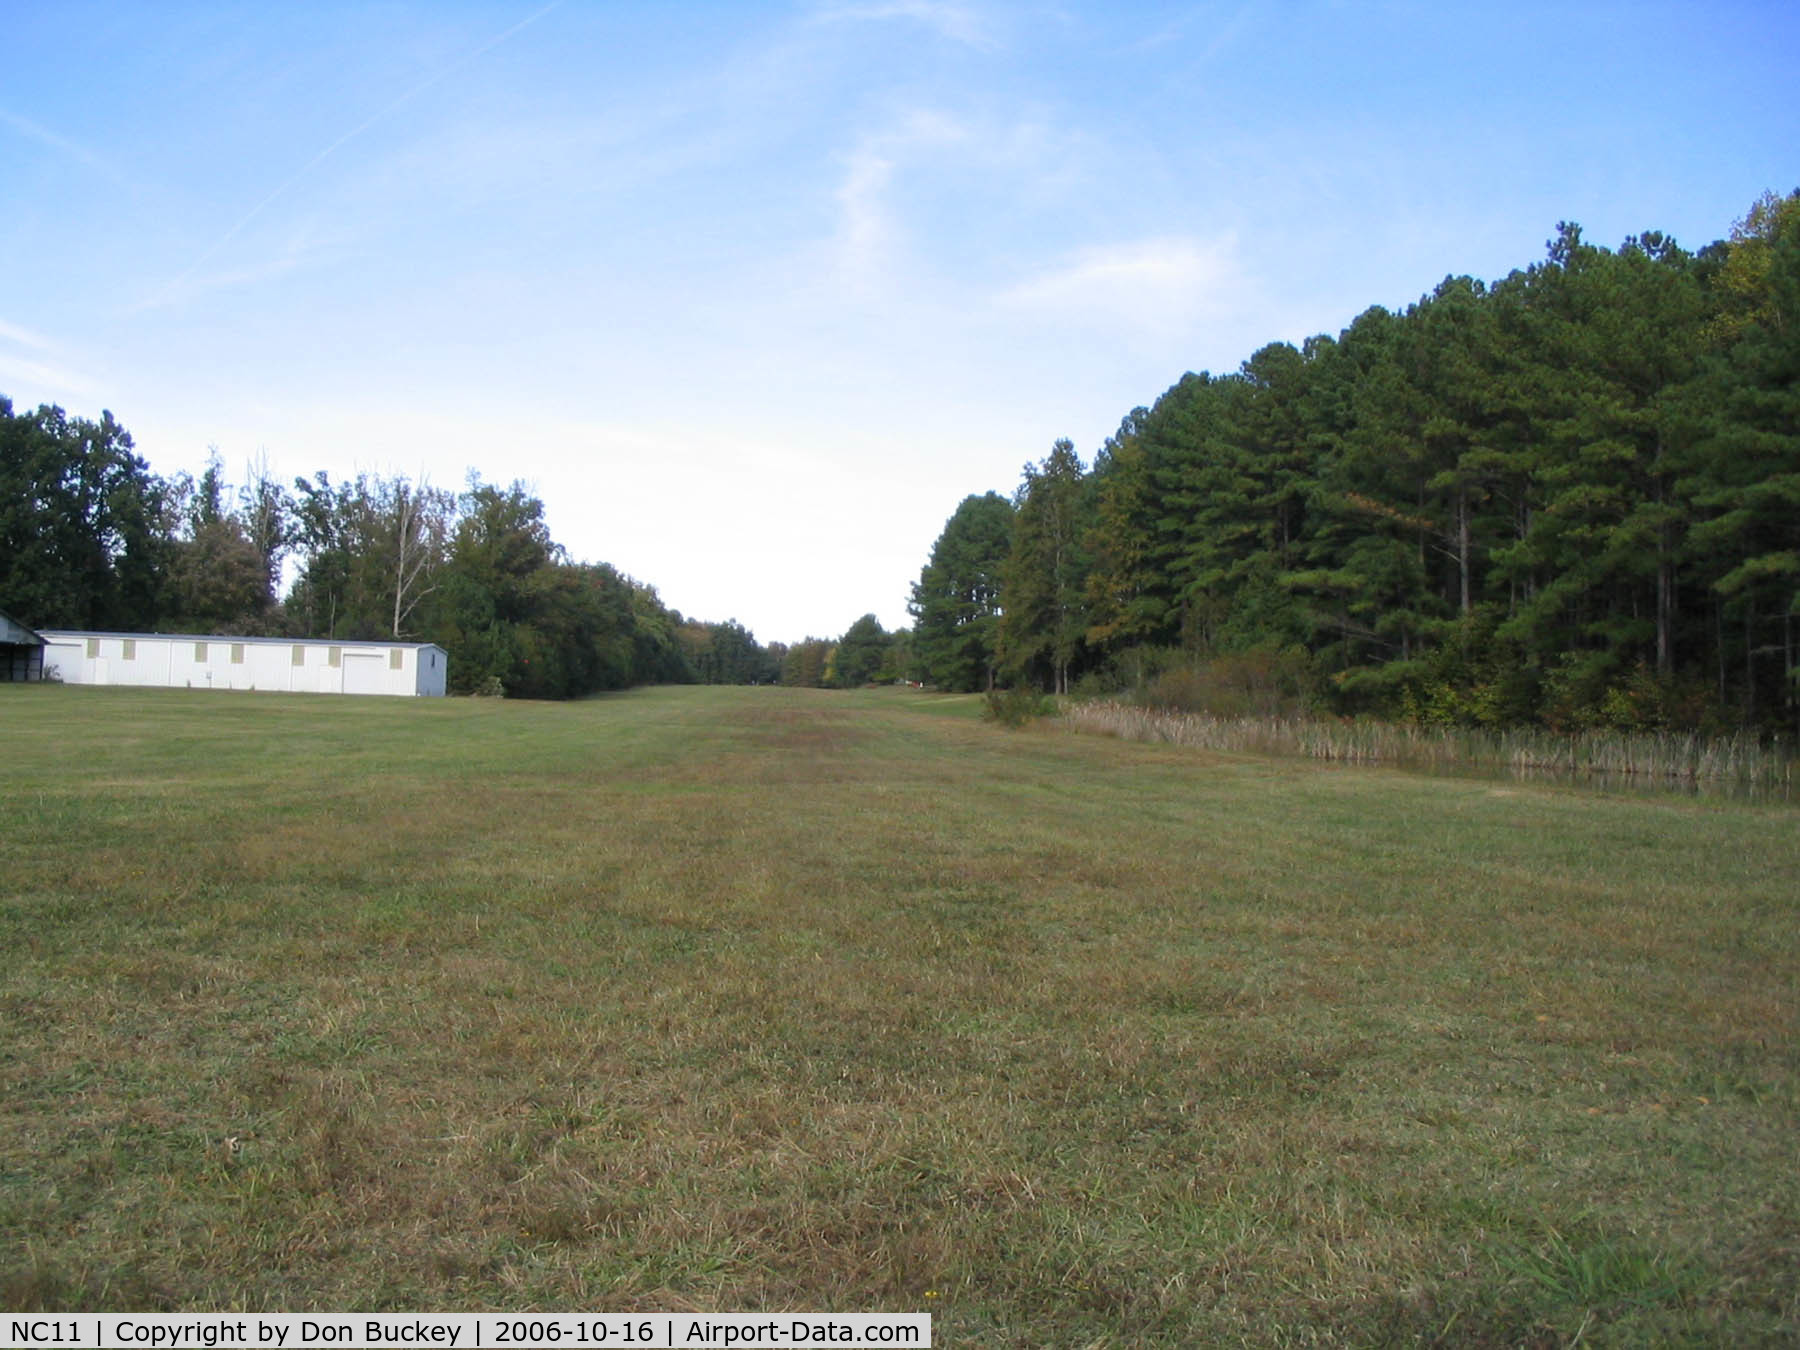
[746, 999]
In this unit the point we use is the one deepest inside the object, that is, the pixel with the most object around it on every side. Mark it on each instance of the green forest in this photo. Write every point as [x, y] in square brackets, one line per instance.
[1568, 498]
[91, 539]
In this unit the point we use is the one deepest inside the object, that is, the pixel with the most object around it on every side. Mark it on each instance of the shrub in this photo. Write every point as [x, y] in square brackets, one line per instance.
[1129, 671]
[1016, 707]
[1586, 696]
[1265, 681]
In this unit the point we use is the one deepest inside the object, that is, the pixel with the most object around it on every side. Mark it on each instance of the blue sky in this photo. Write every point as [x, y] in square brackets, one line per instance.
[753, 294]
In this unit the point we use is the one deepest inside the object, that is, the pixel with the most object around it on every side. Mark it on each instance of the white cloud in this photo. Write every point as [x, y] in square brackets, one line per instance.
[1165, 285]
[40, 364]
[53, 379]
[958, 23]
[869, 231]
[24, 337]
[866, 226]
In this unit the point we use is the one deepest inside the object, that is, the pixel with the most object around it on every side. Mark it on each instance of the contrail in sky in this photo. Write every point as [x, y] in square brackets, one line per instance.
[167, 292]
[26, 127]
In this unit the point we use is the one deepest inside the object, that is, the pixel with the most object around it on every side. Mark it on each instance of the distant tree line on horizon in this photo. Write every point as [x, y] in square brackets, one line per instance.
[1570, 498]
[91, 539]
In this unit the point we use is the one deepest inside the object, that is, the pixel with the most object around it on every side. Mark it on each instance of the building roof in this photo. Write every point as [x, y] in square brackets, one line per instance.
[231, 637]
[15, 634]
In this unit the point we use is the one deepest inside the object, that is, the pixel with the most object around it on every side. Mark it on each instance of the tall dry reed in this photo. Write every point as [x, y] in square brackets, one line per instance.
[1737, 762]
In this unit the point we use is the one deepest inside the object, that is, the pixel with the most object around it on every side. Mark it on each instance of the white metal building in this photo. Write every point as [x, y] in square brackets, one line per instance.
[295, 665]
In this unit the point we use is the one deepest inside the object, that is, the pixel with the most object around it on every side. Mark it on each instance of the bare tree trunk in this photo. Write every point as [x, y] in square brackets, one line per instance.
[1719, 644]
[1787, 662]
[266, 518]
[1462, 546]
[414, 554]
[1665, 615]
[1665, 586]
[1749, 659]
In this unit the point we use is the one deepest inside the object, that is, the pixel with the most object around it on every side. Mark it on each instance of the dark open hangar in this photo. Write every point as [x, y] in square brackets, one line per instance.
[21, 652]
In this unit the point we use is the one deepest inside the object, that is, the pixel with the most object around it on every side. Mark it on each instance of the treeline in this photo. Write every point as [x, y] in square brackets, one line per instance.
[1570, 498]
[90, 538]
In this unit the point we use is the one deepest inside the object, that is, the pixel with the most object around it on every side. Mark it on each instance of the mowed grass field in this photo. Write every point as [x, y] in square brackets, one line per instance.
[748, 999]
